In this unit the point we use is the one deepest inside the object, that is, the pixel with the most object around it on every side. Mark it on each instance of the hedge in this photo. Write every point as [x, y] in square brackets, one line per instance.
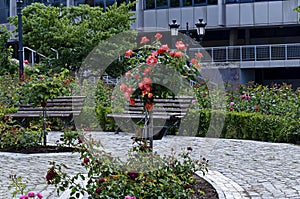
[250, 126]
[237, 125]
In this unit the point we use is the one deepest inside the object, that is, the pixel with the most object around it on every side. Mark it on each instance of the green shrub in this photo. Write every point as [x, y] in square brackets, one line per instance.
[251, 126]
[87, 119]
[13, 136]
[9, 90]
[106, 123]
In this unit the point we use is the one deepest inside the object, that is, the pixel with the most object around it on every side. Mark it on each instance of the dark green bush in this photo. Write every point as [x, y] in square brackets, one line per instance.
[106, 123]
[251, 126]
[13, 136]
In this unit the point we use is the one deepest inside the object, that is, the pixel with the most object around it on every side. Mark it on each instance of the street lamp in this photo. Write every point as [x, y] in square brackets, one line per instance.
[174, 31]
[20, 34]
[200, 29]
[174, 28]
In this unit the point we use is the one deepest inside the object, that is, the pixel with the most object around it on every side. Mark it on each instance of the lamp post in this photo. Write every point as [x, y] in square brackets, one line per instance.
[200, 29]
[20, 34]
[174, 30]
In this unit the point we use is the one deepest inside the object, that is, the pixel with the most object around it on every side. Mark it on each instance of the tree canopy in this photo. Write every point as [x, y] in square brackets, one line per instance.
[72, 31]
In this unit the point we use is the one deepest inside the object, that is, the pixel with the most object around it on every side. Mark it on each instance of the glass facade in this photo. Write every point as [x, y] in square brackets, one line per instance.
[247, 1]
[5, 5]
[157, 4]
[4, 10]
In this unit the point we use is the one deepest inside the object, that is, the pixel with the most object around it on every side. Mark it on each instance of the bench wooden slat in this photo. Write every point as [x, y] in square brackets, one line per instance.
[49, 109]
[63, 106]
[139, 116]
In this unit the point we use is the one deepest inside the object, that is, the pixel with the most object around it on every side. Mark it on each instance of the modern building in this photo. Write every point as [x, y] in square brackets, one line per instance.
[250, 40]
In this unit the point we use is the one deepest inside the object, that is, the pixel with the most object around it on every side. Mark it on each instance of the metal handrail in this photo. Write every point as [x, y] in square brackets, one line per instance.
[250, 53]
[33, 54]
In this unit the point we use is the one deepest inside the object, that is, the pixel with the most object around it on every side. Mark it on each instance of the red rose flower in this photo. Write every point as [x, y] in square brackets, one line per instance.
[127, 95]
[194, 61]
[198, 55]
[147, 70]
[132, 102]
[163, 49]
[136, 76]
[128, 74]
[147, 80]
[180, 45]
[149, 106]
[178, 54]
[158, 36]
[129, 89]
[151, 60]
[144, 40]
[123, 88]
[128, 53]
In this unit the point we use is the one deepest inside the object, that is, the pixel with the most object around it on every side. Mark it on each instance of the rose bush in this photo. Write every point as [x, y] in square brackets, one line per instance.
[142, 175]
[37, 89]
[149, 68]
[280, 100]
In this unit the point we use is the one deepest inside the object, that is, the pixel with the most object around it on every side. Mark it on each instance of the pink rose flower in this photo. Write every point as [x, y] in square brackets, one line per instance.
[144, 40]
[128, 53]
[39, 195]
[151, 60]
[180, 45]
[31, 194]
[158, 36]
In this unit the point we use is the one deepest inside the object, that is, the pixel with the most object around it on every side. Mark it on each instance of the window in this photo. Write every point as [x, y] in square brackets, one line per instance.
[161, 3]
[212, 2]
[150, 4]
[174, 3]
[58, 2]
[4, 11]
[199, 2]
[187, 3]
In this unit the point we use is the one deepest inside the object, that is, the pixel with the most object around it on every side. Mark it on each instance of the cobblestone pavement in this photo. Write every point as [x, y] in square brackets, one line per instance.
[238, 168]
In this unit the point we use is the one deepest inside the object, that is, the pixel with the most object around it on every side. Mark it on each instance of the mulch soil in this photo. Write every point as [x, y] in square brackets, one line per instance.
[202, 188]
[40, 149]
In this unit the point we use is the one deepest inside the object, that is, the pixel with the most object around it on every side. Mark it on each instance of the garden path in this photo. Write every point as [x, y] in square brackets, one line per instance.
[238, 168]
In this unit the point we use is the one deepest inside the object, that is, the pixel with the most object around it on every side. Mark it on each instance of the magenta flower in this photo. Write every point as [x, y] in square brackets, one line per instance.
[231, 103]
[39, 195]
[101, 180]
[98, 191]
[133, 174]
[86, 160]
[24, 197]
[31, 194]
[130, 197]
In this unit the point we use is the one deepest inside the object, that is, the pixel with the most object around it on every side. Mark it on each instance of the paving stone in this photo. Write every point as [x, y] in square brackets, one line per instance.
[243, 169]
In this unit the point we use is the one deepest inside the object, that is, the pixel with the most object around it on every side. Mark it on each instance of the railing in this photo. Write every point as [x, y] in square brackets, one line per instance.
[250, 53]
[32, 56]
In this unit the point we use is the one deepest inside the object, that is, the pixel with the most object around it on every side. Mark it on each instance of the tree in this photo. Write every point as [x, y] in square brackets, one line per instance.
[6, 66]
[72, 31]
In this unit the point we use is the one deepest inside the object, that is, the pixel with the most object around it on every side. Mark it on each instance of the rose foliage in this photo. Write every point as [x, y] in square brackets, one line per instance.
[142, 175]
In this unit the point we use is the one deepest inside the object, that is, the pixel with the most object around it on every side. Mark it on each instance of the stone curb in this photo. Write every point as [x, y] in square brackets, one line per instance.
[226, 188]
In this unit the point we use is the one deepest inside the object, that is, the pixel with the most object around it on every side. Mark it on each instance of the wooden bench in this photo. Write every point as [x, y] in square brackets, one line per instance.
[171, 110]
[65, 108]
